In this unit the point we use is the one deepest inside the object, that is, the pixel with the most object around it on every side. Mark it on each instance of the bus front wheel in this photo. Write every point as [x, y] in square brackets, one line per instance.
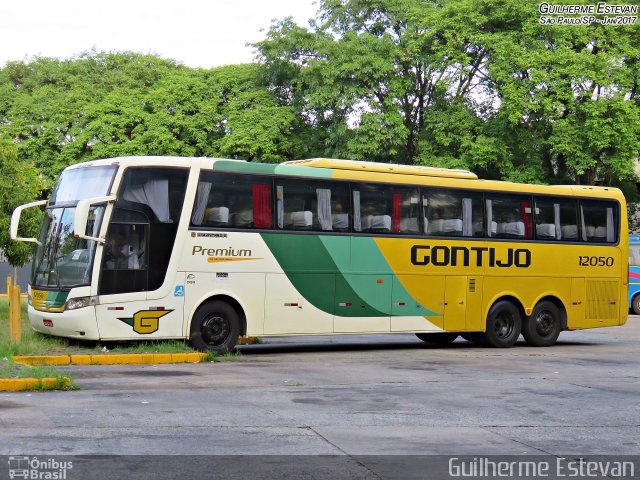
[635, 304]
[504, 323]
[444, 338]
[542, 328]
[215, 328]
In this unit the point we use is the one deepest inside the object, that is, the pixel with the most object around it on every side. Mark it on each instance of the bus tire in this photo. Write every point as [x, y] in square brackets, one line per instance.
[215, 328]
[542, 327]
[504, 323]
[635, 304]
[444, 338]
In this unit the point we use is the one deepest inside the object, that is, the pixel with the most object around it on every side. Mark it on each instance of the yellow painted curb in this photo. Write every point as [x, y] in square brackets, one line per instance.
[248, 340]
[21, 384]
[111, 359]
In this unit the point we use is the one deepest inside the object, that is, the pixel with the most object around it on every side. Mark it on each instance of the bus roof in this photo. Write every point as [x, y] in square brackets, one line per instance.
[359, 170]
[384, 168]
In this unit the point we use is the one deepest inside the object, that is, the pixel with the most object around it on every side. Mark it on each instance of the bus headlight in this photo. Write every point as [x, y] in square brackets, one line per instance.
[80, 302]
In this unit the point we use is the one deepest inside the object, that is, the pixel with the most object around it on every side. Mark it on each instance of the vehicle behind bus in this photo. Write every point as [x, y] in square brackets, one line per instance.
[634, 273]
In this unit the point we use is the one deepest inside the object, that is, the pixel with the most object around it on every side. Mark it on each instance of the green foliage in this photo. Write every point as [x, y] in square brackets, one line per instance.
[19, 184]
[476, 84]
[113, 104]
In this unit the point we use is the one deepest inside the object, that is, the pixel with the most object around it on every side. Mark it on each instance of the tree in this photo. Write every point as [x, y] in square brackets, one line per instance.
[19, 184]
[477, 84]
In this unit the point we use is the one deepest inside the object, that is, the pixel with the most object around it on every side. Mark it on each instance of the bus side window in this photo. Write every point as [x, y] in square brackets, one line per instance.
[312, 205]
[373, 209]
[453, 213]
[509, 216]
[634, 255]
[229, 200]
[598, 221]
[555, 219]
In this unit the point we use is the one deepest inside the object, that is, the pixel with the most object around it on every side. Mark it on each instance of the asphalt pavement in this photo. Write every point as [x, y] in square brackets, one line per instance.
[348, 397]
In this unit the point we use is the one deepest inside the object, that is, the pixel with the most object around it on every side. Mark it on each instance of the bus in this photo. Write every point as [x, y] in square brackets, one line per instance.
[211, 250]
[634, 273]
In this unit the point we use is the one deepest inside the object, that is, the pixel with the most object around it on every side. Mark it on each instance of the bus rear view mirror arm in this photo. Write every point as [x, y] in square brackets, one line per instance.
[82, 214]
[15, 221]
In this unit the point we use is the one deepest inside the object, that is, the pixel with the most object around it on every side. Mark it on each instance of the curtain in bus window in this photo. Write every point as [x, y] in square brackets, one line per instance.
[467, 217]
[261, 205]
[357, 220]
[324, 208]
[202, 197]
[280, 205]
[395, 212]
[583, 227]
[491, 225]
[155, 194]
[611, 234]
[556, 220]
[525, 208]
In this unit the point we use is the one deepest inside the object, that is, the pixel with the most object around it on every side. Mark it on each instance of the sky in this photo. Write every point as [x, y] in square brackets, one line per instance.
[197, 33]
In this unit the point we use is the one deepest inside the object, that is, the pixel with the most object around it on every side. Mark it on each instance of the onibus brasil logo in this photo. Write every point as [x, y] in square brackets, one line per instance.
[145, 322]
[34, 468]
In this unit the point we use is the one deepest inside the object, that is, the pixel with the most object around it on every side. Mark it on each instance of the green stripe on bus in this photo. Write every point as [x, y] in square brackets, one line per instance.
[294, 170]
[243, 167]
[320, 268]
[270, 169]
[312, 271]
[367, 265]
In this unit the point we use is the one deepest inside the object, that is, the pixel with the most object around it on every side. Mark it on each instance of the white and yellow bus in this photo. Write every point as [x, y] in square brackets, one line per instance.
[210, 250]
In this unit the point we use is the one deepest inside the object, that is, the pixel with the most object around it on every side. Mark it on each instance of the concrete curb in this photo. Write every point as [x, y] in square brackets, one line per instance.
[22, 384]
[111, 359]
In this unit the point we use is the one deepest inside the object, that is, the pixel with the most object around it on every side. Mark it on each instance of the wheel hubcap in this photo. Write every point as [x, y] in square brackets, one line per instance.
[544, 324]
[504, 325]
[215, 329]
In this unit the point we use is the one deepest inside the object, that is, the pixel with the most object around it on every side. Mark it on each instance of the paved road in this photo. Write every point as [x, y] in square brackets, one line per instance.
[358, 395]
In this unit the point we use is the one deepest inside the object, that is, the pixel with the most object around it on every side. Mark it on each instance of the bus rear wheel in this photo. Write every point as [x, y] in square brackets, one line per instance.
[215, 328]
[542, 327]
[504, 323]
[444, 338]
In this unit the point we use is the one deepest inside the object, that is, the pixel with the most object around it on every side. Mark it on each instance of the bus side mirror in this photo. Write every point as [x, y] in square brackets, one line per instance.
[15, 221]
[82, 214]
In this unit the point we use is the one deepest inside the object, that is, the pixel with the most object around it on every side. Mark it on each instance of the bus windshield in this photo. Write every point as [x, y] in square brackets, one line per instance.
[63, 261]
[81, 183]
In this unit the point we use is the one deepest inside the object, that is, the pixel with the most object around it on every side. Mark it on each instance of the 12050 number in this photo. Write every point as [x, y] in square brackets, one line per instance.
[585, 261]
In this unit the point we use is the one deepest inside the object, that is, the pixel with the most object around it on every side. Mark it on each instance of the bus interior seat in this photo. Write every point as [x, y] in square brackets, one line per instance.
[409, 225]
[242, 218]
[377, 223]
[511, 230]
[600, 234]
[217, 215]
[301, 219]
[569, 232]
[340, 221]
[445, 227]
[546, 231]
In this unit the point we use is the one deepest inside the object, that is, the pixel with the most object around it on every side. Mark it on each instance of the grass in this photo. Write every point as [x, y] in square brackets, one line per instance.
[10, 369]
[34, 343]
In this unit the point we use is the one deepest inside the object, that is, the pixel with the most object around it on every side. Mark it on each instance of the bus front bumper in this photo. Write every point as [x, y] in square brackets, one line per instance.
[80, 323]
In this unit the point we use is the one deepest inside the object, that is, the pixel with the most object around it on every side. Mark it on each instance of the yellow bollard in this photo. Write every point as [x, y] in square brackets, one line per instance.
[17, 325]
[13, 293]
